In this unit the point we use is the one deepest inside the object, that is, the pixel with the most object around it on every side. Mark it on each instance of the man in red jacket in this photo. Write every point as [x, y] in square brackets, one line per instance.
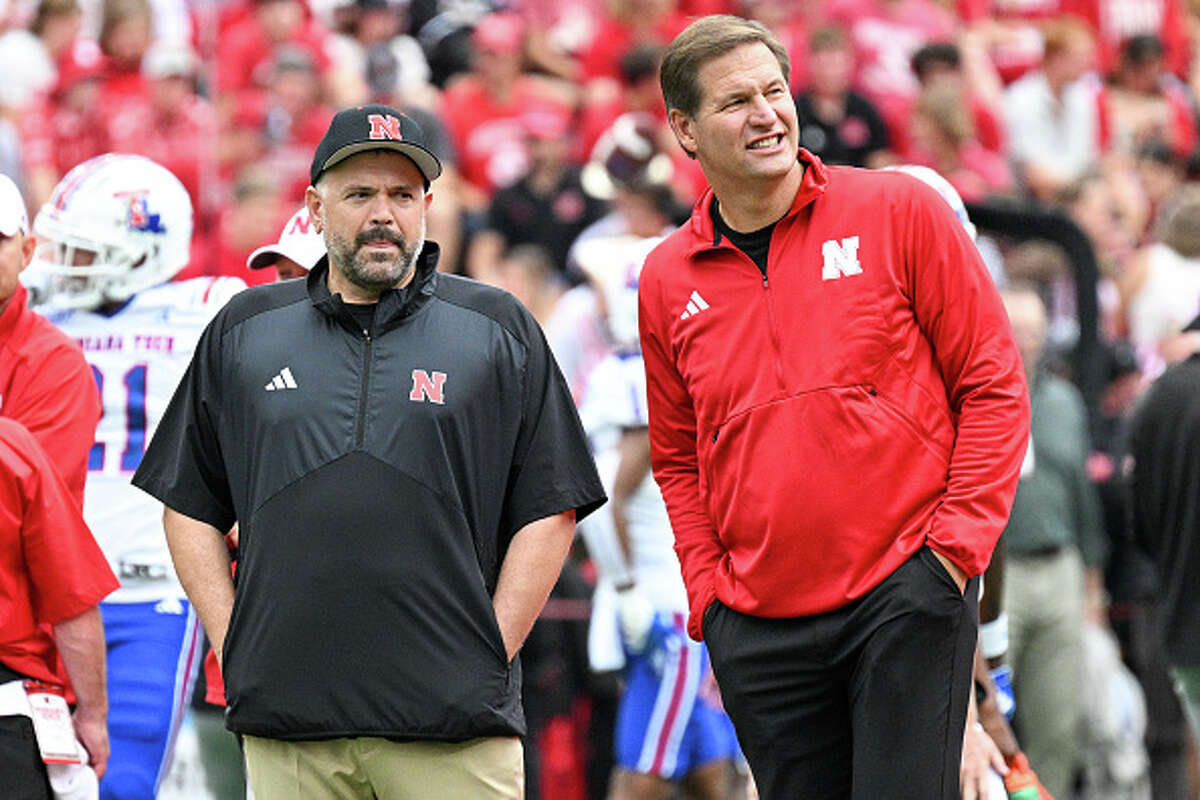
[838, 416]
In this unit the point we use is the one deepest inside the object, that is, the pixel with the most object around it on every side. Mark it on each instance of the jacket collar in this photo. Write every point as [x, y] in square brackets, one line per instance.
[704, 234]
[394, 304]
[12, 313]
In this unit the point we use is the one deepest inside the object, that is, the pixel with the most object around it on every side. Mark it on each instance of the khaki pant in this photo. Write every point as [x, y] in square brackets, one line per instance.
[367, 767]
[1043, 597]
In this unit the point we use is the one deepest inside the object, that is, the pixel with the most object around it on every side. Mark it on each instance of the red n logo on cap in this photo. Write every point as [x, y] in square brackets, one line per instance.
[384, 127]
[300, 224]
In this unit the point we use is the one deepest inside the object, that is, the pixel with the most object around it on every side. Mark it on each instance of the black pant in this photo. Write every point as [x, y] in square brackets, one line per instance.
[866, 702]
[22, 773]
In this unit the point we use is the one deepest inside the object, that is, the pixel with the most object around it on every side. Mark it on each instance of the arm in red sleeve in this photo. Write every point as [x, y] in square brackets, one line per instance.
[63, 563]
[959, 310]
[675, 463]
[61, 410]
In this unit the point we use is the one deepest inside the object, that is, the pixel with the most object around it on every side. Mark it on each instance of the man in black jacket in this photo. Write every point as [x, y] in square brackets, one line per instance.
[1165, 482]
[405, 465]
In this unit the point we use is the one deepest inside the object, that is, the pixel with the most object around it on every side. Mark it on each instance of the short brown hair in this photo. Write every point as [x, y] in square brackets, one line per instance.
[705, 39]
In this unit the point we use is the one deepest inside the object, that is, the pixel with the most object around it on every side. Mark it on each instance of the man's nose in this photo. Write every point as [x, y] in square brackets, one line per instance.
[381, 210]
[761, 111]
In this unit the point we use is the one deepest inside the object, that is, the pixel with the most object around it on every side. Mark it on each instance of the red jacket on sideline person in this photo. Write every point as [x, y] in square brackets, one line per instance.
[810, 430]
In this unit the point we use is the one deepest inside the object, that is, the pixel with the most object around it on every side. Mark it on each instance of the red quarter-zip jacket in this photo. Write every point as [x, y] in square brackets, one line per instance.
[810, 430]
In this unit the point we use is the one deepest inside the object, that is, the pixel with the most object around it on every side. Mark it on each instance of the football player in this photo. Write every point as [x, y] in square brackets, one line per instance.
[113, 233]
[669, 730]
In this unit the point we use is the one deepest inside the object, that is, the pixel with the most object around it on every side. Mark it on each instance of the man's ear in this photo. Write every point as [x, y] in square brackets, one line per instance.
[683, 127]
[312, 199]
[28, 246]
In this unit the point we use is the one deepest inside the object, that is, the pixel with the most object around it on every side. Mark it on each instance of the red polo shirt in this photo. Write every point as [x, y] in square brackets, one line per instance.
[47, 386]
[51, 568]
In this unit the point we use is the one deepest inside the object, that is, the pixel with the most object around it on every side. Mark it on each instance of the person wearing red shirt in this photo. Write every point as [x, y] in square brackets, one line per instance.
[247, 51]
[629, 24]
[1143, 103]
[482, 111]
[945, 140]
[838, 416]
[885, 34]
[52, 576]
[173, 125]
[45, 382]
[126, 34]
[69, 125]
[1117, 21]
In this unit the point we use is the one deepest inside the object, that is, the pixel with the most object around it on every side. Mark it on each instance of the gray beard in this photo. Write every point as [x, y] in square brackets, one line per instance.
[365, 271]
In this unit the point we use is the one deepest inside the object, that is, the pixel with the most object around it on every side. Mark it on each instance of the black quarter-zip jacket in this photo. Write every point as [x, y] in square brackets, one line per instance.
[377, 478]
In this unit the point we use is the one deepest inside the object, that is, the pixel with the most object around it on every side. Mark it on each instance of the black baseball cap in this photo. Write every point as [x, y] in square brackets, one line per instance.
[373, 127]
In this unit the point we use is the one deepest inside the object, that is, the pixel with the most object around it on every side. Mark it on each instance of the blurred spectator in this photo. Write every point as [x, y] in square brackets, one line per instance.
[1164, 290]
[1051, 114]
[559, 30]
[791, 21]
[1144, 103]
[885, 34]
[371, 45]
[177, 128]
[69, 126]
[1160, 173]
[28, 57]
[1055, 555]
[944, 139]
[247, 57]
[292, 120]
[941, 64]
[444, 28]
[258, 209]
[125, 36]
[1111, 213]
[482, 110]
[835, 122]
[1008, 31]
[1046, 266]
[1117, 21]
[546, 207]
[629, 23]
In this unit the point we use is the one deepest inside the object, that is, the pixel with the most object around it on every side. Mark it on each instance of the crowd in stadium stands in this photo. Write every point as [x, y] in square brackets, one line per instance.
[548, 118]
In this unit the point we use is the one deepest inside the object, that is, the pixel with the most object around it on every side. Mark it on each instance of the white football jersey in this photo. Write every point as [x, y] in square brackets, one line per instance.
[138, 355]
[614, 401]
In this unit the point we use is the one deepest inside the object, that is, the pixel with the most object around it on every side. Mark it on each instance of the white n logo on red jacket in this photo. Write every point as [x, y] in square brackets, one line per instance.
[841, 258]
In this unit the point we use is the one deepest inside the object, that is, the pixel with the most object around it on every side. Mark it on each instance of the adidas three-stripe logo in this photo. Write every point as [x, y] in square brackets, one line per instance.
[695, 305]
[283, 380]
